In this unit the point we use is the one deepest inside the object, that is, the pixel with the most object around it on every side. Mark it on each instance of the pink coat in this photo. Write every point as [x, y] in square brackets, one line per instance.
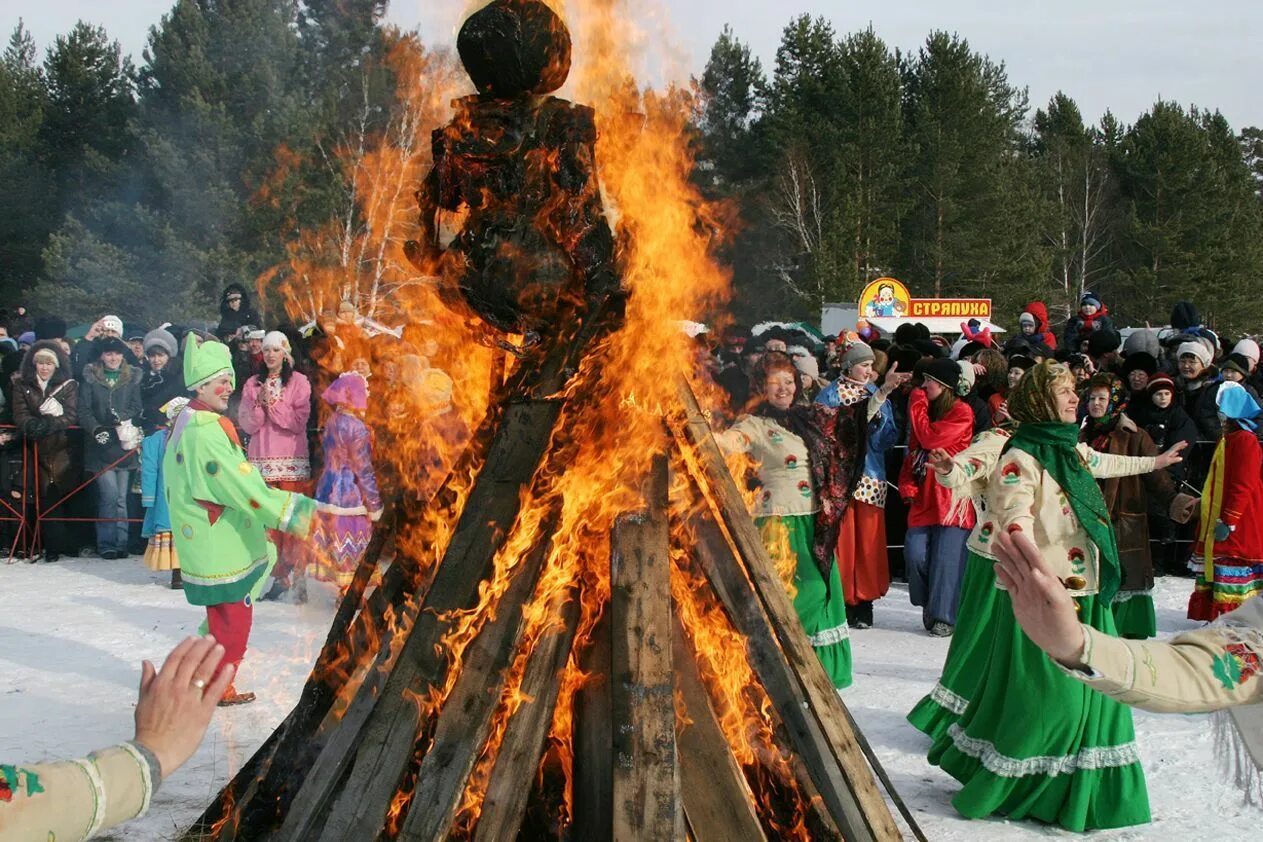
[278, 434]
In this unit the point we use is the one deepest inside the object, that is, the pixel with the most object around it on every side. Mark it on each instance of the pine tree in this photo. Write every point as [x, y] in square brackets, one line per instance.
[28, 212]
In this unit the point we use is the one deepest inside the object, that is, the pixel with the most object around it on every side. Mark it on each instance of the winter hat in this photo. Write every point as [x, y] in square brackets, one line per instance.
[205, 360]
[1092, 298]
[162, 339]
[1021, 361]
[277, 341]
[1161, 383]
[807, 364]
[904, 357]
[8, 345]
[1027, 319]
[945, 372]
[1103, 342]
[50, 327]
[46, 354]
[1140, 361]
[349, 389]
[174, 407]
[910, 332]
[1238, 404]
[111, 343]
[1184, 316]
[1196, 349]
[1144, 340]
[967, 377]
[112, 323]
[856, 354]
[27, 338]
[1247, 348]
[1237, 363]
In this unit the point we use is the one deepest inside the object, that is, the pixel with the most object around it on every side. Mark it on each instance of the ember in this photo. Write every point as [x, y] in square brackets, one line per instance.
[600, 647]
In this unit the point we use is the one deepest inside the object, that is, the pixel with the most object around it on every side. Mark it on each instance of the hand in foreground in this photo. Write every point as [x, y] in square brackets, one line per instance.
[1171, 456]
[176, 704]
[894, 378]
[1183, 507]
[1041, 603]
[939, 460]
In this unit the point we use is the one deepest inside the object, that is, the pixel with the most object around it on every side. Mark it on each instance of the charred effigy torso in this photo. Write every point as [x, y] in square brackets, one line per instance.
[535, 248]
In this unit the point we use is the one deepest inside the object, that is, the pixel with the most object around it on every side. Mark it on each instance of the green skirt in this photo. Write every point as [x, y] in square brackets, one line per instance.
[1134, 616]
[967, 655]
[821, 609]
[1036, 744]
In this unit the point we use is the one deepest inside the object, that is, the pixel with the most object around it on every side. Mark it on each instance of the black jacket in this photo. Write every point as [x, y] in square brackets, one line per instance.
[156, 389]
[102, 408]
[1166, 427]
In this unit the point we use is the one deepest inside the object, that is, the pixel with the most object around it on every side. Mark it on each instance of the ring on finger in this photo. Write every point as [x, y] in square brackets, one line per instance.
[199, 684]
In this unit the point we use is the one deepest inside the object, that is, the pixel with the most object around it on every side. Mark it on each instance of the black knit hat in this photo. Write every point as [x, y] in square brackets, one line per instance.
[946, 372]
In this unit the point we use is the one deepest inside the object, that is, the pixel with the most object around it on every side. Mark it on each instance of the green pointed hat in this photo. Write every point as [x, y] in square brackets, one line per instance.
[204, 360]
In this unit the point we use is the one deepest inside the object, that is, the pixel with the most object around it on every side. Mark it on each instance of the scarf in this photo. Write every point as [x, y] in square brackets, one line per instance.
[837, 466]
[1097, 431]
[1052, 444]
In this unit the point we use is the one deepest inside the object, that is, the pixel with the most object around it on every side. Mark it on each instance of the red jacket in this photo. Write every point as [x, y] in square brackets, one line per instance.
[930, 502]
[1243, 497]
[1040, 312]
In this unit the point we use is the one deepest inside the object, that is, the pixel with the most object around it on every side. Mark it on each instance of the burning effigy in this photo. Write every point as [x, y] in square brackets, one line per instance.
[581, 635]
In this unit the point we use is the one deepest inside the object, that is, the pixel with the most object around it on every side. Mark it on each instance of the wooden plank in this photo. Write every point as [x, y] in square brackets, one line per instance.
[467, 714]
[375, 737]
[646, 771]
[523, 743]
[854, 800]
[718, 803]
[593, 777]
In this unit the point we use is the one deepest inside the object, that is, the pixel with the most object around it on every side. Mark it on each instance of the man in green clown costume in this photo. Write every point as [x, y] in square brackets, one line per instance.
[220, 507]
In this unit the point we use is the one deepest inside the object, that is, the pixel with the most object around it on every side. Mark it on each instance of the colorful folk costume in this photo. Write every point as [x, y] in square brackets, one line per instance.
[221, 510]
[160, 552]
[1032, 742]
[1228, 555]
[861, 546]
[347, 487]
[1127, 499]
[785, 512]
[967, 655]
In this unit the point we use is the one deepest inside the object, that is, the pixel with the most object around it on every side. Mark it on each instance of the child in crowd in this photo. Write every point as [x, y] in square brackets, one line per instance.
[347, 484]
[160, 553]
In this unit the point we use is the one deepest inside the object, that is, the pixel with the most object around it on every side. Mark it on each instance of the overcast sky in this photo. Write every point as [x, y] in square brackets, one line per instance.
[1115, 54]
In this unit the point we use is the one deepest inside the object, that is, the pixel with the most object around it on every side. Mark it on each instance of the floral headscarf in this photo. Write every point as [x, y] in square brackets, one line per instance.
[1031, 401]
[1096, 431]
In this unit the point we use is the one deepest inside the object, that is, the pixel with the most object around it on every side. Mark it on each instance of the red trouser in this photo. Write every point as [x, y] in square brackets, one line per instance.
[230, 625]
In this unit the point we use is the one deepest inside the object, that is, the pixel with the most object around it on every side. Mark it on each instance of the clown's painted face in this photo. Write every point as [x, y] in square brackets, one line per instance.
[216, 393]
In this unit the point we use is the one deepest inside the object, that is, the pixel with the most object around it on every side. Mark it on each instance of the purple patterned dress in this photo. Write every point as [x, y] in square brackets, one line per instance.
[348, 491]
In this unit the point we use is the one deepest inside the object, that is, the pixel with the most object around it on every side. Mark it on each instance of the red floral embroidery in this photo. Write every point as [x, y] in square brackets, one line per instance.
[1249, 660]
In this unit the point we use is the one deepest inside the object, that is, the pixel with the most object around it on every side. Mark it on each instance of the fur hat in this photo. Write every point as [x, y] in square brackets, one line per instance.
[275, 340]
[50, 327]
[160, 338]
[111, 344]
[1140, 361]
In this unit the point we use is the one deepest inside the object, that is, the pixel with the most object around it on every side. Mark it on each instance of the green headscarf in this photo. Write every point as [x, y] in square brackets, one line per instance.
[1051, 442]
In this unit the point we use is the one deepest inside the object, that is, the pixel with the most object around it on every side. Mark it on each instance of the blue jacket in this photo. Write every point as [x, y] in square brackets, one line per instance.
[883, 434]
[152, 497]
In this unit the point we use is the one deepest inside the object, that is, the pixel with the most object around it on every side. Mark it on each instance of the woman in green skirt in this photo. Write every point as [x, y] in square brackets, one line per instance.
[1032, 742]
[796, 455]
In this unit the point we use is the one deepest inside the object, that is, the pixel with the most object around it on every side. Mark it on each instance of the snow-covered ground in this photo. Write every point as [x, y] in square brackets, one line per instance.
[72, 636]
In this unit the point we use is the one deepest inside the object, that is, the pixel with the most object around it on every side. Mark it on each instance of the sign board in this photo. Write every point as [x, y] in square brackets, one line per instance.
[886, 303]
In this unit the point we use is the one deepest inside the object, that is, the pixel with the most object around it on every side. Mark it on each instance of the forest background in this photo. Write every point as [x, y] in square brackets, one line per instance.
[245, 145]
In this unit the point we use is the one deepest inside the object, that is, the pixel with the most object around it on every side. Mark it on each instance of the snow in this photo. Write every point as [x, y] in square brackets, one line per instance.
[73, 634]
